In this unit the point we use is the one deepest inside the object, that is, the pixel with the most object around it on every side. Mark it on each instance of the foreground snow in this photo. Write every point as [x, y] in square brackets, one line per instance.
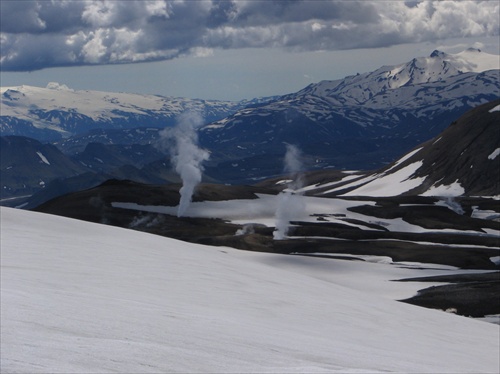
[81, 297]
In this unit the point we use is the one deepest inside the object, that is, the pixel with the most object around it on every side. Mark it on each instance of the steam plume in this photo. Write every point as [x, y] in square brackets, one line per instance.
[182, 141]
[291, 204]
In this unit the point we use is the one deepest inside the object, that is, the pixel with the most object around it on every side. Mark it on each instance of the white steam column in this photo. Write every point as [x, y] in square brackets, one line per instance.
[291, 203]
[182, 142]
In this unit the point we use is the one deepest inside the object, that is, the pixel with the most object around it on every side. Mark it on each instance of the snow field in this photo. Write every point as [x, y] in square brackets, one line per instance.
[82, 297]
[263, 211]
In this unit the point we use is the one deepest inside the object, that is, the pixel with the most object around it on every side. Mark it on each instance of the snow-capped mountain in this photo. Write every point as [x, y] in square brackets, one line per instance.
[367, 89]
[81, 297]
[57, 111]
[366, 120]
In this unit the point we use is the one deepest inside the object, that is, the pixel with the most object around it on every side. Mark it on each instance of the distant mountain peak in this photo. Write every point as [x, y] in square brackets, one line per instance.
[368, 89]
[440, 65]
[437, 53]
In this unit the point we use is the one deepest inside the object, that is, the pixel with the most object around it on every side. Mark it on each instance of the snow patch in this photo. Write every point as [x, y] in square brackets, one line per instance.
[495, 260]
[404, 158]
[357, 182]
[392, 184]
[484, 214]
[450, 203]
[43, 158]
[494, 154]
[491, 318]
[261, 211]
[454, 189]
[495, 109]
[329, 184]
[386, 260]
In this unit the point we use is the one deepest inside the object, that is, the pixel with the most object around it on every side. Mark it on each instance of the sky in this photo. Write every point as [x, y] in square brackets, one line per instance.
[228, 50]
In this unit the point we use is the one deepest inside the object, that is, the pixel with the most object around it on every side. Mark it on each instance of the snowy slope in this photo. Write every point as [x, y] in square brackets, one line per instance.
[439, 66]
[81, 297]
[94, 104]
[473, 59]
[64, 111]
[462, 160]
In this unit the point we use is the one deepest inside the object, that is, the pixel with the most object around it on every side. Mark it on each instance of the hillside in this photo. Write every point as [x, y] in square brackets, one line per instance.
[32, 170]
[27, 166]
[461, 161]
[80, 297]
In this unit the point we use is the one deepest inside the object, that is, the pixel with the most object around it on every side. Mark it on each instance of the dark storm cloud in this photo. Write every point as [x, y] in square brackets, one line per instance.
[40, 34]
[253, 13]
[40, 17]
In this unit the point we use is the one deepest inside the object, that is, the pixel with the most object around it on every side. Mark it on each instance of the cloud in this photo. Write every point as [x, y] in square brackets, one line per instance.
[41, 34]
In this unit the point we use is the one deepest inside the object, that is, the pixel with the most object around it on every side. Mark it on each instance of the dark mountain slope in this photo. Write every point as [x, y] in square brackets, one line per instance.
[107, 157]
[464, 160]
[26, 165]
[467, 152]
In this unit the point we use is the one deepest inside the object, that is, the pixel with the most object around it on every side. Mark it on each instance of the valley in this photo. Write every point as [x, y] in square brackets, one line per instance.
[403, 215]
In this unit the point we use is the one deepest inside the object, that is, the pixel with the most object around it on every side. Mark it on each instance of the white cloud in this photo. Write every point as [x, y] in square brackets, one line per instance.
[94, 49]
[201, 52]
[99, 14]
[157, 8]
[101, 32]
[316, 26]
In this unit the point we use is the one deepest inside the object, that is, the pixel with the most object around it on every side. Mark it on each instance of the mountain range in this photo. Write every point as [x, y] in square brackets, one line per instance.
[361, 122]
[57, 112]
